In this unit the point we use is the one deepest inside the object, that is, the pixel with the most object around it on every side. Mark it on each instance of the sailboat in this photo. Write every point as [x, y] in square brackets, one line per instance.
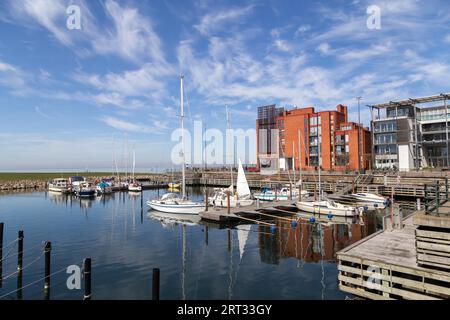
[134, 186]
[242, 197]
[326, 206]
[170, 202]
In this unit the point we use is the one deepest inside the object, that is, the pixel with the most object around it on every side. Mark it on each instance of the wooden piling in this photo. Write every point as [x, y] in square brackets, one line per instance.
[47, 253]
[228, 203]
[20, 251]
[206, 200]
[2, 226]
[155, 284]
[87, 279]
[20, 265]
[290, 191]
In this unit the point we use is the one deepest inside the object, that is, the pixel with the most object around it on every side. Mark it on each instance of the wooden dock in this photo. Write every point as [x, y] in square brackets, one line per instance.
[242, 213]
[387, 265]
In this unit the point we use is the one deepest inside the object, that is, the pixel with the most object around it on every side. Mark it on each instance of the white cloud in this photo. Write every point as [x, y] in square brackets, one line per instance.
[214, 21]
[122, 125]
[302, 29]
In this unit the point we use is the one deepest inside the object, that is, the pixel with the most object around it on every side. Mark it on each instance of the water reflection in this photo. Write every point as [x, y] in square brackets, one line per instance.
[198, 260]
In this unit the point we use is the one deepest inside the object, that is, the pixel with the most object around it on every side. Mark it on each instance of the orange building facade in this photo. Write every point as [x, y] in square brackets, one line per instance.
[298, 134]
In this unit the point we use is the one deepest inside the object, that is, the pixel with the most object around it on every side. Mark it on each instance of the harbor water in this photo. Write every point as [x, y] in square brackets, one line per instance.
[198, 261]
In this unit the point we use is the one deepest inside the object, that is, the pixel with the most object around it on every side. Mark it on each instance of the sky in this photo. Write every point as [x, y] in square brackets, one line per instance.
[71, 98]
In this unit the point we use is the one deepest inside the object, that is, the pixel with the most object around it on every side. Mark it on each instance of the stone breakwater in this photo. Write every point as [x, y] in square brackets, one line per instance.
[23, 185]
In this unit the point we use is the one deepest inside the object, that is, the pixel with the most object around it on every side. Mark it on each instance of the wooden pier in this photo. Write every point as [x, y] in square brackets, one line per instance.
[225, 215]
[407, 262]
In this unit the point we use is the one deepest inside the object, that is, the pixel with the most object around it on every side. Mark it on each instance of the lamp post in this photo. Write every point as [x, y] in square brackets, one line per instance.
[359, 134]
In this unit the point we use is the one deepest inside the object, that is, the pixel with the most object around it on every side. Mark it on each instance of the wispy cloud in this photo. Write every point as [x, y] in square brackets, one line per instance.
[127, 126]
[216, 20]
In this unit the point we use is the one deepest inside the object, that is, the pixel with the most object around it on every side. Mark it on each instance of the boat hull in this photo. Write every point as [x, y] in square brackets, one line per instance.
[59, 189]
[176, 209]
[221, 203]
[316, 209]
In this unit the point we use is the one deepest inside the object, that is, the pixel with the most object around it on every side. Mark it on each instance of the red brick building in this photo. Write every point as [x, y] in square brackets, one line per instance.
[298, 133]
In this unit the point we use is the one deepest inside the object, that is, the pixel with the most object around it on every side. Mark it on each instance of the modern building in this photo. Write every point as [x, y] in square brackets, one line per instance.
[411, 134]
[301, 138]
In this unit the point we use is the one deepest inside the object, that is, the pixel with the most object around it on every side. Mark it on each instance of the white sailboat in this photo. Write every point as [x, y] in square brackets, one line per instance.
[172, 203]
[134, 186]
[242, 197]
[325, 206]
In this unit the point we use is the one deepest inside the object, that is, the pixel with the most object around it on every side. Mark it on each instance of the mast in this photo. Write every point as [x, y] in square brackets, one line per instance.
[182, 136]
[320, 182]
[134, 162]
[228, 128]
[293, 161]
[300, 163]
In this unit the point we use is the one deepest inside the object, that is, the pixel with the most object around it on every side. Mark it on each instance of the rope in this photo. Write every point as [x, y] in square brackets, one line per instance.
[32, 283]
[11, 243]
[6, 255]
[17, 253]
[28, 265]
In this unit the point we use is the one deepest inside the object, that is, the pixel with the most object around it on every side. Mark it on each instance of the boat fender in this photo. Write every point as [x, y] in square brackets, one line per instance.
[330, 216]
[273, 229]
[312, 219]
[366, 208]
[375, 205]
[294, 224]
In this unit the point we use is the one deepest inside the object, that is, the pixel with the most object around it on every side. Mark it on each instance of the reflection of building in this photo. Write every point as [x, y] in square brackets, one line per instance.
[281, 133]
[411, 134]
[308, 242]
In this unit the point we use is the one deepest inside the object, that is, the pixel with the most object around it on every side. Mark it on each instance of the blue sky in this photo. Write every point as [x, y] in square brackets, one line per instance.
[65, 93]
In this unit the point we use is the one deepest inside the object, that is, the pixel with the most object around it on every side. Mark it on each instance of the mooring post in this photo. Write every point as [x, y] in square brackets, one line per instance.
[206, 200]
[438, 197]
[19, 265]
[2, 226]
[426, 198]
[446, 188]
[228, 202]
[47, 252]
[290, 191]
[155, 284]
[20, 252]
[300, 191]
[87, 279]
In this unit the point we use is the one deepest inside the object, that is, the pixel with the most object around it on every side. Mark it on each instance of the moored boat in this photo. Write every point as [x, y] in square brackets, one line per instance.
[60, 185]
[327, 207]
[104, 188]
[85, 190]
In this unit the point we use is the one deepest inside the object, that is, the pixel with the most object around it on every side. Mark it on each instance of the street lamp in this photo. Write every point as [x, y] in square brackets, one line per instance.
[359, 134]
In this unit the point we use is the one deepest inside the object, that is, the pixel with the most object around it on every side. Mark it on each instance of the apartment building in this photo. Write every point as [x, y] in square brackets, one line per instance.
[411, 134]
[303, 138]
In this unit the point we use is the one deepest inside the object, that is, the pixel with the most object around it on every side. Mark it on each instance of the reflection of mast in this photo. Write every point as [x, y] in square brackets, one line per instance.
[321, 247]
[230, 290]
[183, 269]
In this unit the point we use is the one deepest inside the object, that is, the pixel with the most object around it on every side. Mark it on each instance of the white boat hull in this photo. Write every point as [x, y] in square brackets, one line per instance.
[310, 207]
[177, 209]
[134, 189]
[234, 203]
[59, 189]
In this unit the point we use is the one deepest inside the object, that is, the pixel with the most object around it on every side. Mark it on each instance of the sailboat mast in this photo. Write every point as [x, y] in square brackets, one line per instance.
[228, 131]
[182, 137]
[134, 162]
[293, 161]
[320, 182]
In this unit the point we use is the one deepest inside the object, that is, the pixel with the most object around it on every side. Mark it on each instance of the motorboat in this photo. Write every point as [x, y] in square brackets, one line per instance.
[328, 207]
[104, 188]
[59, 185]
[376, 199]
[85, 190]
[281, 194]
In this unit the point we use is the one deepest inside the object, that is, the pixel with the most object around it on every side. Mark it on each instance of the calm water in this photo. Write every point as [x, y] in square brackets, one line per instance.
[126, 242]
